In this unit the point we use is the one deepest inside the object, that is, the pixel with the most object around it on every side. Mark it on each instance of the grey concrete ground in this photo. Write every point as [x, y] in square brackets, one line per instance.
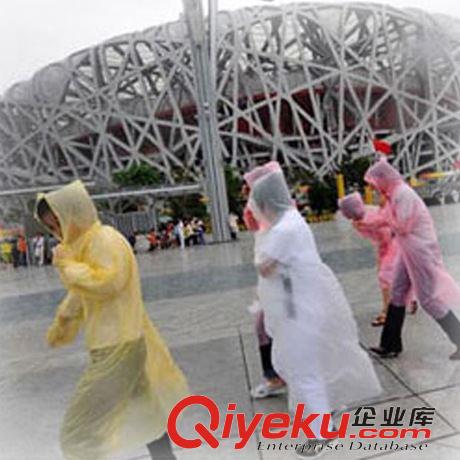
[198, 298]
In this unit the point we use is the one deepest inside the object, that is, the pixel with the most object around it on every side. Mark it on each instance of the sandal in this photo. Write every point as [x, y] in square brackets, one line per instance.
[379, 320]
[266, 390]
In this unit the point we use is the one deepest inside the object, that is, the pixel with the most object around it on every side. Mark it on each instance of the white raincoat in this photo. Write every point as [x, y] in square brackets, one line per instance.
[315, 340]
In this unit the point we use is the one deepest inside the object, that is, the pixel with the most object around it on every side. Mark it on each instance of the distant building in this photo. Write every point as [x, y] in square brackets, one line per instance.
[303, 83]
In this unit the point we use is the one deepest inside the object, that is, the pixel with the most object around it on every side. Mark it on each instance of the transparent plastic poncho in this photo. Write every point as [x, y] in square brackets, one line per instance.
[131, 382]
[415, 233]
[375, 227]
[315, 338]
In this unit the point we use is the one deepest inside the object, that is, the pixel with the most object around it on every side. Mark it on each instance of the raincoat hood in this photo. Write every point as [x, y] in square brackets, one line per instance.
[384, 177]
[352, 206]
[261, 171]
[74, 209]
[269, 197]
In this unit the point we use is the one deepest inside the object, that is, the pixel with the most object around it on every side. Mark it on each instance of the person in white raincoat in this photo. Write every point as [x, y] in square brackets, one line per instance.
[315, 339]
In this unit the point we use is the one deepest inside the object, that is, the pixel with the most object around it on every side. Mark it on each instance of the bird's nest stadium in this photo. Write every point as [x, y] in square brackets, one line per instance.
[305, 83]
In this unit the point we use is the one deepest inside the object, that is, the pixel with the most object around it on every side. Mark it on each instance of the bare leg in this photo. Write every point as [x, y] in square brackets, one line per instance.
[273, 384]
[380, 319]
[386, 295]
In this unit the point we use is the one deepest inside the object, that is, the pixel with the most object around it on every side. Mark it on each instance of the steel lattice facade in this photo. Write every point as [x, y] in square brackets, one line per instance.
[303, 83]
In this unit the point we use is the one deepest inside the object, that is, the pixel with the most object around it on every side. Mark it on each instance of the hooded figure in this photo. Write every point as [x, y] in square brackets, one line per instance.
[420, 262]
[272, 384]
[371, 222]
[131, 382]
[315, 340]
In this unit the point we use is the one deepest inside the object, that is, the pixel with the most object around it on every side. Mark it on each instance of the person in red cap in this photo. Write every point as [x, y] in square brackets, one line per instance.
[382, 147]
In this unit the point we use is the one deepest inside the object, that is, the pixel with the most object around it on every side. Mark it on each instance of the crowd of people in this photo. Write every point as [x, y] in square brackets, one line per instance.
[179, 233]
[18, 251]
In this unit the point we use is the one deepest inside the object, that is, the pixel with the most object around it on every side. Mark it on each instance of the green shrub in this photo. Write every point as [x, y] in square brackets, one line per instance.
[138, 175]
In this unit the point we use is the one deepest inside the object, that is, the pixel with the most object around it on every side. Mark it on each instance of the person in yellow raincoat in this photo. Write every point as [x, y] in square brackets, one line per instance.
[131, 382]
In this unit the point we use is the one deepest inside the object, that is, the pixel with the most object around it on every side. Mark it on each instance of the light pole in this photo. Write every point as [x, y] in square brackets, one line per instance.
[204, 62]
[212, 27]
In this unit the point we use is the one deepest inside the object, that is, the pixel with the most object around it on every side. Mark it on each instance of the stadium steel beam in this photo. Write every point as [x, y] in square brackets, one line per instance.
[167, 191]
[303, 83]
[34, 190]
[163, 192]
[209, 132]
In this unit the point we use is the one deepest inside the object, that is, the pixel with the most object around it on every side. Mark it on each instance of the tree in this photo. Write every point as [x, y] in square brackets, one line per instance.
[322, 195]
[353, 170]
[234, 184]
[188, 206]
[138, 175]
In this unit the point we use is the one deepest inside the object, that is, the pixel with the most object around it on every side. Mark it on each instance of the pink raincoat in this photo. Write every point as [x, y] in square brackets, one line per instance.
[374, 226]
[420, 263]
[253, 218]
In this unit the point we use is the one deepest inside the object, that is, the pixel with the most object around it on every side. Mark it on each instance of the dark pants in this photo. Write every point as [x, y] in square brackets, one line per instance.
[401, 287]
[161, 449]
[23, 259]
[265, 347]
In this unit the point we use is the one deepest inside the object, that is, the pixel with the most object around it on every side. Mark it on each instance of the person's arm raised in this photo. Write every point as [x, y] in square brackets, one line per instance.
[105, 270]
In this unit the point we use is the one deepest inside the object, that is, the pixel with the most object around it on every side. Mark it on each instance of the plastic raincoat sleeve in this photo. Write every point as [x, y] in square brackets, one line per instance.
[277, 247]
[105, 271]
[374, 220]
[67, 321]
[403, 207]
[373, 225]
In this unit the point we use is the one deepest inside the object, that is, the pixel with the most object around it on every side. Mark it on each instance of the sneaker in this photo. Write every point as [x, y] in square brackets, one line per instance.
[267, 390]
[384, 354]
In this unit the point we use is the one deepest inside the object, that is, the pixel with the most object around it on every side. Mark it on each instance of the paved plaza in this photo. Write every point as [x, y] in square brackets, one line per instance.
[199, 298]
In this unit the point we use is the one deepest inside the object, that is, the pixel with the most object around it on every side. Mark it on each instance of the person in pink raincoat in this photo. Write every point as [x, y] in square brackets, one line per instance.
[371, 222]
[419, 265]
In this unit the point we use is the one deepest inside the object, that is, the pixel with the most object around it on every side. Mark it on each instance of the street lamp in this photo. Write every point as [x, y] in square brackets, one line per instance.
[204, 66]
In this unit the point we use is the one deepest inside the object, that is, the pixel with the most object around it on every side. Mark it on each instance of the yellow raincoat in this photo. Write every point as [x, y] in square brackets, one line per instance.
[131, 382]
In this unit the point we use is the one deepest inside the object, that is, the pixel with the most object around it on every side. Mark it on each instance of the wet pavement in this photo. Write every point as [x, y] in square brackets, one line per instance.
[198, 298]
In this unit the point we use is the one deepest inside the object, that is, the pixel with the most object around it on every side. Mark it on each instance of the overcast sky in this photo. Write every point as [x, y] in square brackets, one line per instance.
[34, 33]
